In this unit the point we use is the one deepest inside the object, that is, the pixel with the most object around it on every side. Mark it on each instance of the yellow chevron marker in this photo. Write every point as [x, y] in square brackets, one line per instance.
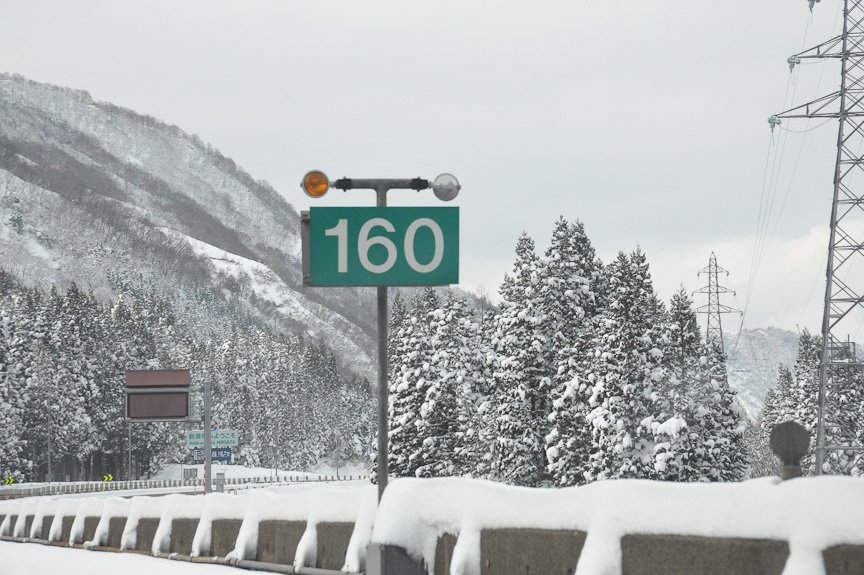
[108, 478]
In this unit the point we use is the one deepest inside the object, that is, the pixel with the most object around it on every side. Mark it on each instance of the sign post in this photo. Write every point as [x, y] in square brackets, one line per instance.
[208, 476]
[380, 247]
[163, 395]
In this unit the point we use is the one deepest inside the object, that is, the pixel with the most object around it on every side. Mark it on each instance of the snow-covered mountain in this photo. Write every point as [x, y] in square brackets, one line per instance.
[753, 359]
[120, 202]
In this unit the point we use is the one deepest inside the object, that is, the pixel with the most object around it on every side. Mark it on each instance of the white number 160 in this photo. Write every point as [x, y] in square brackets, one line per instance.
[364, 242]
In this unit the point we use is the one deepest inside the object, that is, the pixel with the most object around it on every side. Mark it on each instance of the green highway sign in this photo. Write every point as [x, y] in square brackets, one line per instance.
[222, 438]
[380, 246]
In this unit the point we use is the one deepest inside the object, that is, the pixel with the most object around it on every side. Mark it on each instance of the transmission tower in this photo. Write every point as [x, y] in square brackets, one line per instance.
[840, 384]
[714, 332]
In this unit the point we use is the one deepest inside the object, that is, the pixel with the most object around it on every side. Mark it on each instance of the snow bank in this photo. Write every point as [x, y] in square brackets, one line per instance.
[64, 508]
[45, 508]
[805, 512]
[312, 506]
[113, 507]
[216, 506]
[175, 507]
[90, 507]
[140, 507]
[28, 507]
[8, 509]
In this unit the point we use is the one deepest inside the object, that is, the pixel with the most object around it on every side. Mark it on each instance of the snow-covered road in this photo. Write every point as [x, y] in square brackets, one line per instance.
[34, 559]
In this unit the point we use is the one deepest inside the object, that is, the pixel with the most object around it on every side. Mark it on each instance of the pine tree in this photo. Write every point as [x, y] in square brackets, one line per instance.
[448, 439]
[622, 371]
[698, 431]
[450, 364]
[519, 375]
[412, 364]
[571, 276]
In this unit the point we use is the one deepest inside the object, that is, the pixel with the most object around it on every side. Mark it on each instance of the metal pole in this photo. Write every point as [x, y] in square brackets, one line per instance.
[129, 474]
[50, 470]
[383, 387]
[208, 480]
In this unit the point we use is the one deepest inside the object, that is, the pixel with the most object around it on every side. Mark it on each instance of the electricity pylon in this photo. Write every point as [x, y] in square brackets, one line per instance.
[714, 332]
[840, 373]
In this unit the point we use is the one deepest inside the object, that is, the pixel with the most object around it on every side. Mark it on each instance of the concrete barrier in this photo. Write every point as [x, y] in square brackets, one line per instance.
[28, 524]
[46, 527]
[278, 540]
[685, 555]
[333, 539]
[182, 534]
[116, 525]
[521, 551]
[66, 532]
[844, 560]
[147, 527]
[444, 553]
[90, 524]
[223, 536]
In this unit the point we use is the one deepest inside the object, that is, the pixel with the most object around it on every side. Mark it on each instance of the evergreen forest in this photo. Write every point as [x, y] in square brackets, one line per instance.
[63, 359]
[582, 374]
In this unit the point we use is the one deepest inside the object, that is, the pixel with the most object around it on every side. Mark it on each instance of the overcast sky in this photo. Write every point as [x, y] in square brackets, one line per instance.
[646, 120]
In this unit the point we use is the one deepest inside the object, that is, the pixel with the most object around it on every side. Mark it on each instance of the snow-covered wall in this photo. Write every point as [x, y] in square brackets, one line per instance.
[809, 515]
[812, 514]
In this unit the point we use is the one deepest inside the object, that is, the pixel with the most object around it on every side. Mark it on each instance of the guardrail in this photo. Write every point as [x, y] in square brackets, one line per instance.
[460, 526]
[23, 490]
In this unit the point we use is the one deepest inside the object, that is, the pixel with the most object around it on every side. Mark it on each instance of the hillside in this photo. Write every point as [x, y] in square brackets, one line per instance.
[753, 361]
[119, 202]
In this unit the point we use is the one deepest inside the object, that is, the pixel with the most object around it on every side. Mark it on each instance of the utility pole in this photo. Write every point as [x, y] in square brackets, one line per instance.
[714, 331]
[841, 377]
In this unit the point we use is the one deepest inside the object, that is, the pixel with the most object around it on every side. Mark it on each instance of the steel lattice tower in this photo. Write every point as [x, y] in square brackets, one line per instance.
[840, 385]
[714, 308]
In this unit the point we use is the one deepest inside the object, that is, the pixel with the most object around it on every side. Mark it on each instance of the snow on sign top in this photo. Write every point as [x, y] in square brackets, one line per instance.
[158, 378]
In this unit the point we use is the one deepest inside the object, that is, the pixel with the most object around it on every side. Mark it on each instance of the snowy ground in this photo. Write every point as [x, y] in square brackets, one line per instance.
[322, 473]
[175, 471]
[33, 559]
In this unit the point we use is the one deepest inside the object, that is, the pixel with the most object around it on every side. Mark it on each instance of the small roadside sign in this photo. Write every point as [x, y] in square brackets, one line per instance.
[218, 454]
[222, 454]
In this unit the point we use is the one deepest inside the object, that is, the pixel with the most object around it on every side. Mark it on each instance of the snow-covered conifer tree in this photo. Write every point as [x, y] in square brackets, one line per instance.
[412, 364]
[569, 278]
[624, 365]
[698, 431]
[451, 375]
[519, 375]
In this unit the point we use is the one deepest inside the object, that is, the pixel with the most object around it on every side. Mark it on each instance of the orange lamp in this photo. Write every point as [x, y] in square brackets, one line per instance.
[315, 183]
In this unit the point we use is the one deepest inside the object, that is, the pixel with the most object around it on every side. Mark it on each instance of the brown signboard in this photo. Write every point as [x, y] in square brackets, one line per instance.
[158, 378]
[157, 395]
[157, 406]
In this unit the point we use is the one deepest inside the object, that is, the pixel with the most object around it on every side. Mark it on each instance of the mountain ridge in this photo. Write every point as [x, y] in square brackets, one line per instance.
[87, 190]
